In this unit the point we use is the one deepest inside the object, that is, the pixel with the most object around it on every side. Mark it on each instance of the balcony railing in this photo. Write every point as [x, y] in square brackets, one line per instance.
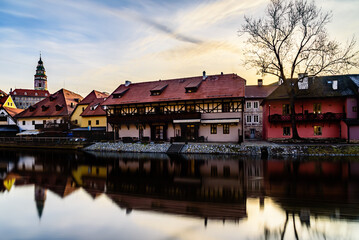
[310, 117]
[152, 118]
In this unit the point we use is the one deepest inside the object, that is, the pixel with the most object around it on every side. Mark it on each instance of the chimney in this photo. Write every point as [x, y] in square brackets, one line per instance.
[204, 75]
[260, 82]
[127, 83]
[303, 81]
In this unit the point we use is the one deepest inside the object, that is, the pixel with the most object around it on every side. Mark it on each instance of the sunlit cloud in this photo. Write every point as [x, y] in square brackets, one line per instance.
[87, 42]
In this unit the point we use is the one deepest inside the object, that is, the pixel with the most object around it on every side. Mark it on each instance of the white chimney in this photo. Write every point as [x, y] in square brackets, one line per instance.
[303, 81]
[260, 82]
[127, 83]
[204, 75]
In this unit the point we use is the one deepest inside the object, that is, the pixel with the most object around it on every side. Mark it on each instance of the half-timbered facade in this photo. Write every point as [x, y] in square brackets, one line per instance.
[205, 108]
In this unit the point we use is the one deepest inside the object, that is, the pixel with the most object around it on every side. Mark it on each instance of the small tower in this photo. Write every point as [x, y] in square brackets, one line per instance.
[40, 81]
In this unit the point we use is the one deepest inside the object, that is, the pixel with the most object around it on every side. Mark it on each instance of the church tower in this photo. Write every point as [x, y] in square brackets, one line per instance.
[40, 81]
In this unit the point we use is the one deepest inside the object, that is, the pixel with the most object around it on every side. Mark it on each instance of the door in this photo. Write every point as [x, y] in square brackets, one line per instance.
[252, 134]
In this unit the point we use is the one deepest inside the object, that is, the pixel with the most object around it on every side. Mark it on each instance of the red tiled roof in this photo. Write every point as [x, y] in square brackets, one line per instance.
[213, 87]
[256, 91]
[92, 96]
[3, 100]
[13, 111]
[58, 104]
[3, 93]
[94, 108]
[30, 92]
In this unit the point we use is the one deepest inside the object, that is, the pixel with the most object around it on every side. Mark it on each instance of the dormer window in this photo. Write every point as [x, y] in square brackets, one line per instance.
[52, 98]
[44, 108]
[158, 90]
[193, 86]
[59, 107]
[120, 93]
[77, 100]
[94, 107]
[32, 108]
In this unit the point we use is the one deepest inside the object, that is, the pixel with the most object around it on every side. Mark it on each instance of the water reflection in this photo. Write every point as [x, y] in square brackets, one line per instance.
[206, 187]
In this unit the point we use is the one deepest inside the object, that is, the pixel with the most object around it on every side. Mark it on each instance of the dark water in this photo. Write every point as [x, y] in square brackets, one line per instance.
[76, 195]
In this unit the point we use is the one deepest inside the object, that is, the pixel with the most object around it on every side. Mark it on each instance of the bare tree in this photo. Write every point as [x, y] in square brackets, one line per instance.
[291, 38]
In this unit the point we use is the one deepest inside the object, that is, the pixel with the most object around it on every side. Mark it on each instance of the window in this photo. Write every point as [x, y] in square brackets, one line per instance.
[249, 118]
[255, 119]
[190, 108]
[286, 131]
[141, 110]
[55, 121]
[33, 122]
[213, 128]
[255, 104]
[249, 104]
[89, 122]
[226, 128]
[317, 130]
[83, 109]
[286, 109]
[317, 108]
[23, 122]
[355, 109]
[97, 122]
[44, 122]
[225, 107]
[76, 122]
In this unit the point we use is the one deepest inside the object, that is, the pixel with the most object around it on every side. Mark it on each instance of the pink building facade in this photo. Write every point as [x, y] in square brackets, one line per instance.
[325, 108]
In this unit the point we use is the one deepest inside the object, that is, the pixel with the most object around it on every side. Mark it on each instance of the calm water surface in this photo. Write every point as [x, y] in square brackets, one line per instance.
[76, 195]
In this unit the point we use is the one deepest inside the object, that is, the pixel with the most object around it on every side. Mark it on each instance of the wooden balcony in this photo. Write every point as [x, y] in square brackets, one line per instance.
[152, 118]
[311, 117]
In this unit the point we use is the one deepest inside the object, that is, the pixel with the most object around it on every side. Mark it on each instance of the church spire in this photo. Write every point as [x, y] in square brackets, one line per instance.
[40, 81]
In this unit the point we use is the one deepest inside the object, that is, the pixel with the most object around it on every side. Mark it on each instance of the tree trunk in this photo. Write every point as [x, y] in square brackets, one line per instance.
[295, 134]
[291, 93]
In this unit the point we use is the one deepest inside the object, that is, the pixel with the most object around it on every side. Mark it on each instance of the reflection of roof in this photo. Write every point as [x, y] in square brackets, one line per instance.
[30, 92]
[213, 87]
[319, 87]
[223, 211]
[61, 103]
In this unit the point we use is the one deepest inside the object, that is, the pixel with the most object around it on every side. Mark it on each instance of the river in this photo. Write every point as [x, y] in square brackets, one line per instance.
[88, 195]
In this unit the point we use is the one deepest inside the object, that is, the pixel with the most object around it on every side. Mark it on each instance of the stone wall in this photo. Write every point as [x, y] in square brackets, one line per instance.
[237, 149]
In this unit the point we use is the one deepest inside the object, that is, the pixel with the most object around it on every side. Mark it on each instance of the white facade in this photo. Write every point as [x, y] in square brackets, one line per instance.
[30, 124]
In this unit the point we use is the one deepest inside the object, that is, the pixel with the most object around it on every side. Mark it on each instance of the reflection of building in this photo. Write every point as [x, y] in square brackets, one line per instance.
[316, 187]
[206, 108]
[40, 197]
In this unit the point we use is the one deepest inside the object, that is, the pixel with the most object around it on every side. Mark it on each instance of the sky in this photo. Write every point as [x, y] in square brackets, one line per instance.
[99, 44]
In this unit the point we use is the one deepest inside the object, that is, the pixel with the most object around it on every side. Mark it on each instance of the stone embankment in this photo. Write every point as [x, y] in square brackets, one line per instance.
[244, 149]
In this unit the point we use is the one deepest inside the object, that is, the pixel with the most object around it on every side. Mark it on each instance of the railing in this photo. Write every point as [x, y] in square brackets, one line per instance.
[51, 140]
[310, 117]
[151, 118]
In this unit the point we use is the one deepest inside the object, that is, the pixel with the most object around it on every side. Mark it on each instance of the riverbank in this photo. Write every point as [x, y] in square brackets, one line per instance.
[248, 149]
